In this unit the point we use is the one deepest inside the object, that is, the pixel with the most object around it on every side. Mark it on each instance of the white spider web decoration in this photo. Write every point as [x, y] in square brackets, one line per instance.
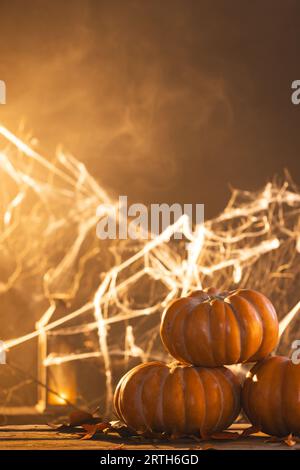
[109, 295]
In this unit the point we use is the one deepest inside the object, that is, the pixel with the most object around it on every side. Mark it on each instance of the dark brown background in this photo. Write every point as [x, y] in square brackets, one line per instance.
[166, 101]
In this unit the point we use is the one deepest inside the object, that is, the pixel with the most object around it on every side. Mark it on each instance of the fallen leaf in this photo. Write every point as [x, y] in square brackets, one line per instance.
[251, 430]
[53, 425]
[121, 429]
[92, 429]
[79, 417]
[290, 440]
[120, 446]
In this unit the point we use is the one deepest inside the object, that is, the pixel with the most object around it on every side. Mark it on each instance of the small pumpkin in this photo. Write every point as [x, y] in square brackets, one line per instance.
[212, 328]
[271, 396]
[177, 399]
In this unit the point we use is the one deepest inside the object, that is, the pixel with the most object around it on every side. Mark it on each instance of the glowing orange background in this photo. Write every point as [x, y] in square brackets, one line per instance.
[179, 98]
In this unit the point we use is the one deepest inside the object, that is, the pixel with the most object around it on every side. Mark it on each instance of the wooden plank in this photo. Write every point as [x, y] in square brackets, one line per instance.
[41, 437]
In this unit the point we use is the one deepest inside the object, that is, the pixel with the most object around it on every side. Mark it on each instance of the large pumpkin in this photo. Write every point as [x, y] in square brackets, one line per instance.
[271, 396]
[211, 328]
[177, 399]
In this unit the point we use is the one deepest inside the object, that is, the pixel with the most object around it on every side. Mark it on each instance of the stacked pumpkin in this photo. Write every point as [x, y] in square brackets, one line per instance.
[205, 332]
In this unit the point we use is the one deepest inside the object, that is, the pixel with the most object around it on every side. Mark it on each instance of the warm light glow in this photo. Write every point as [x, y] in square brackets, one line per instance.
[246, 245]
[60, 399]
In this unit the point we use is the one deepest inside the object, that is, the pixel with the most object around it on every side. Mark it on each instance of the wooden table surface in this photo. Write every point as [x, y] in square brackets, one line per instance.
[42, 437]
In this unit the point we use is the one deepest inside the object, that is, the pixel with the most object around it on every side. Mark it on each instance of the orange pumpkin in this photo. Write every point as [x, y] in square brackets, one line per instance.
[211, 328]
[271, 396]
[177, 399]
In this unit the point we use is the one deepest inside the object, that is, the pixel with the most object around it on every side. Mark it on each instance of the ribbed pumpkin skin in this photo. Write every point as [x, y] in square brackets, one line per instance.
[178, 399]
[210, 328]
[272, 399]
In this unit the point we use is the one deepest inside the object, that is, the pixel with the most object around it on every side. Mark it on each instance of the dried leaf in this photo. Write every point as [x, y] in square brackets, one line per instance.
[122, 429]
[62, 428]
[119, 446]
[92, 429]
[89, 434]
[290, 440]
[251, 430]
[54, 425]
[77, 418]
